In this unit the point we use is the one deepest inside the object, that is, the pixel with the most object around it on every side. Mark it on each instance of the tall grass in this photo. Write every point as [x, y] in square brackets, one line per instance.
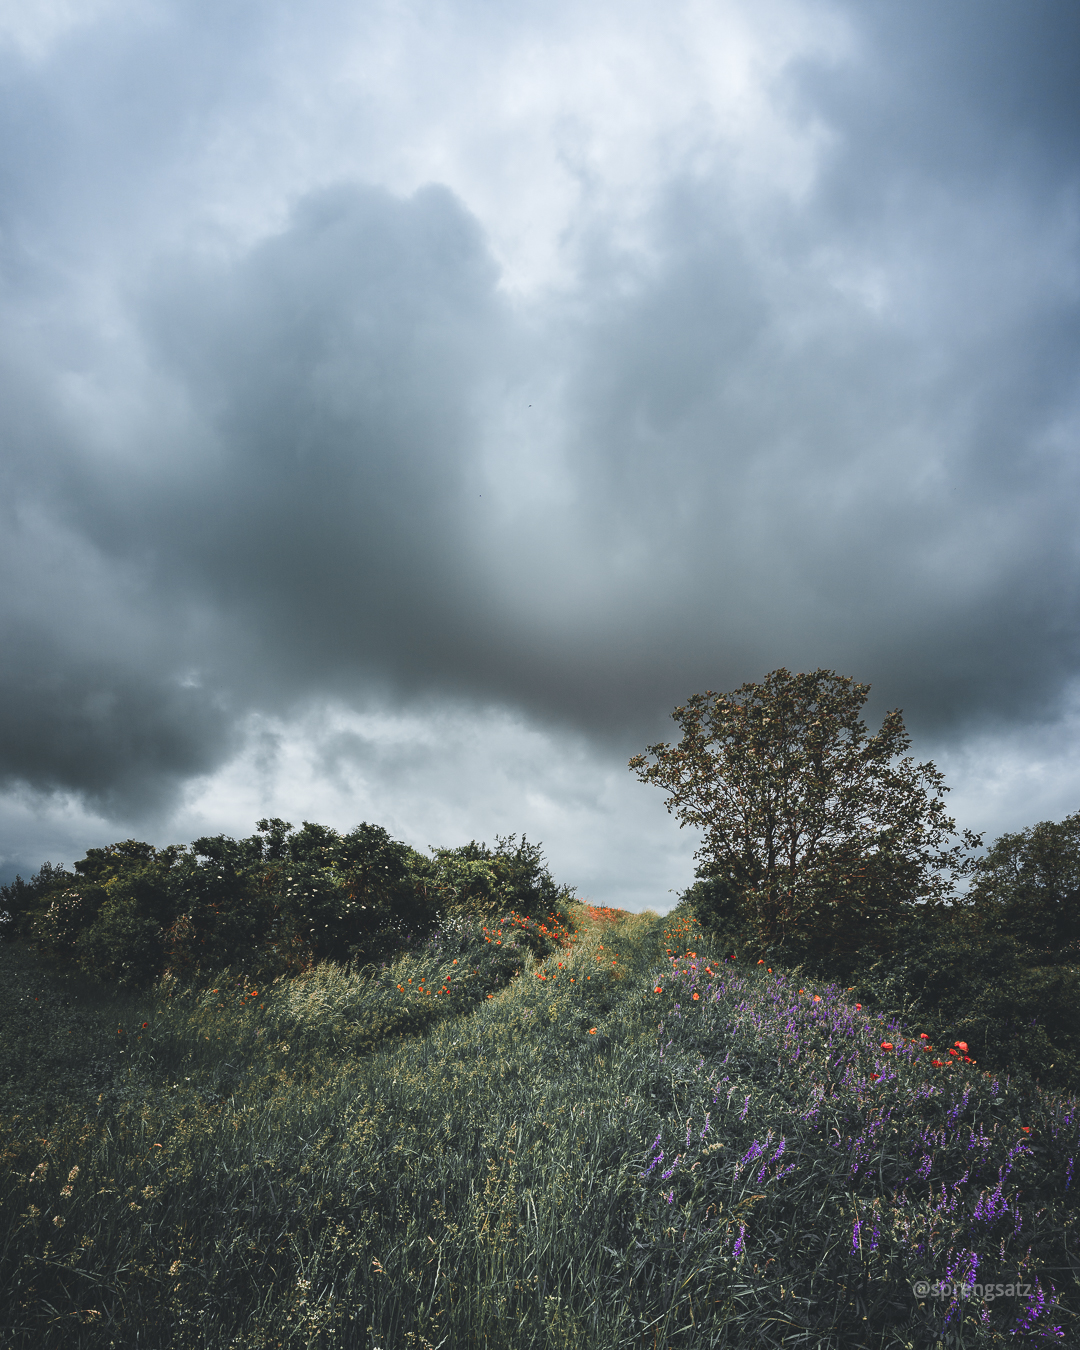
[629, 1143]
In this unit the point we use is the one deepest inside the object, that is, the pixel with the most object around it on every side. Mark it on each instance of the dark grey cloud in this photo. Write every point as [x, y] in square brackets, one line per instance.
[279, 433]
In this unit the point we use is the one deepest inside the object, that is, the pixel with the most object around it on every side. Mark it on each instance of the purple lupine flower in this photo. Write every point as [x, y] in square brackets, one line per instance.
[658, 1159]
[1036, 1299]
[746, 1107]
[923, 1169]
[738, 1243]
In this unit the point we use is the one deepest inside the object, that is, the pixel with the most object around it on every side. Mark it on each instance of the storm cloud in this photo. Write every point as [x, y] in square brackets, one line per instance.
[404, 409]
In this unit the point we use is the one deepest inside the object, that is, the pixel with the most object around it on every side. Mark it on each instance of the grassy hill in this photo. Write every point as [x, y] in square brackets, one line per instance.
[633, 1142]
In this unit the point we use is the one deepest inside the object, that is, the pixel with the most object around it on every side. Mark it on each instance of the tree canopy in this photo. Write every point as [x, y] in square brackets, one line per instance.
[819, 832]
[1027, 885]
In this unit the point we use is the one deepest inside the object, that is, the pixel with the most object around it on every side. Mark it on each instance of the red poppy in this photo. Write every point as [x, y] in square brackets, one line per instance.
[886, 1045]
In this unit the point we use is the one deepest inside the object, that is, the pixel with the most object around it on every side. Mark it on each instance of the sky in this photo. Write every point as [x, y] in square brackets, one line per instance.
[404, 406]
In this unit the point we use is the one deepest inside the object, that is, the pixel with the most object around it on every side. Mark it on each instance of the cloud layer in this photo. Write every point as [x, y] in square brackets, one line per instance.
[525, 369]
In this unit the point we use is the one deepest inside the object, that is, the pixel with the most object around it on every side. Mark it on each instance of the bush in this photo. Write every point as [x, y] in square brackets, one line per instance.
[22, 902]
[277, 903]
[479, 882]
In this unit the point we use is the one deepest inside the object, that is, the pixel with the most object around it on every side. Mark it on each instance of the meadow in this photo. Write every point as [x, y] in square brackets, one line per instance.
[633, 1141]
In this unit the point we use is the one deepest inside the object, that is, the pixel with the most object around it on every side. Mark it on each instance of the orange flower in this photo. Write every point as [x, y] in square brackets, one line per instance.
[923, 1036]
[858, 1007]
[1026, 1129]
[658, 990]
[592, 1031]
[695, 998]
[817, 998]
[962, 1045]
[886, 1045]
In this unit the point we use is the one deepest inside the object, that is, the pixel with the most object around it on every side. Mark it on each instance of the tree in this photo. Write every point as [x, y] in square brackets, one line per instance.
[1027, 886]
[824, 835]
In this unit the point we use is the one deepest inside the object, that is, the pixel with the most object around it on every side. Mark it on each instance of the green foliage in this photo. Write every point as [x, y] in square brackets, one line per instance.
[1028, 886]
[478, 881]
[716, 904]
[276, 903]
[20, 902]
[827, 835]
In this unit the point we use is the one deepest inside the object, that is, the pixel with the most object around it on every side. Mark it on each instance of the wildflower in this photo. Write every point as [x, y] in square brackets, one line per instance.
[1026, 1129]
[592, 1031]
[761, 962]
[695, 997]
[961, 1045]
[858, 1007]
[146, 1024]
[817, 998]
[937, 1063]
[658, 990]
[874, 1077]
[886, 1045]
[923, 1036]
